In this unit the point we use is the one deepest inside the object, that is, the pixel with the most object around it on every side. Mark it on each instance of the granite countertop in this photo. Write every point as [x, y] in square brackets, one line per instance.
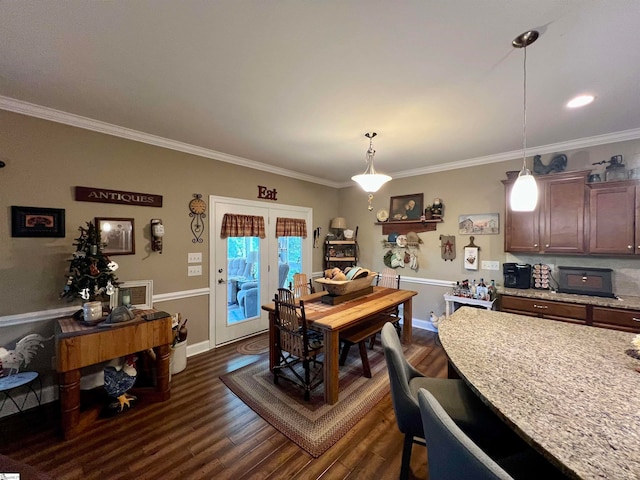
[626, 302]
[570, 390]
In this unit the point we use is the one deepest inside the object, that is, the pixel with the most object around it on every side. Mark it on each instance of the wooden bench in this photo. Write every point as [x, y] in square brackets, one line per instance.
[359, 334]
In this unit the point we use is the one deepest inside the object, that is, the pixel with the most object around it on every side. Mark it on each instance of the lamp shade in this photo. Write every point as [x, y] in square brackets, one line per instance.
[339, 223]
[524, 193]
[371, 182]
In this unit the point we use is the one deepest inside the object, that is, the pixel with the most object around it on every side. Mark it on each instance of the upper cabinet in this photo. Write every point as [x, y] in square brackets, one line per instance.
[614, 210]
[558, 224]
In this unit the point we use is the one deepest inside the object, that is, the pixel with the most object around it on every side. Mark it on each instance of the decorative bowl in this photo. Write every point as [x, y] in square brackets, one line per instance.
[342, 287]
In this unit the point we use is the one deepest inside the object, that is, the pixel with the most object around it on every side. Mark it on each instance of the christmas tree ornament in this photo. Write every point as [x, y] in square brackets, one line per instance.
[84, 293]
[109, 288]
[113, 266]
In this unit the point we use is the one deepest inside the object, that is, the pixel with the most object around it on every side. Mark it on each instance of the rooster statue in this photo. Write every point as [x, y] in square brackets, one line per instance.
[118, 382]
[21, 356]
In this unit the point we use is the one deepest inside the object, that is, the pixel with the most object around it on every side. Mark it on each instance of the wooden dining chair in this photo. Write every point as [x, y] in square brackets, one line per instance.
[301, 286]
[388, 278]
[297, 345]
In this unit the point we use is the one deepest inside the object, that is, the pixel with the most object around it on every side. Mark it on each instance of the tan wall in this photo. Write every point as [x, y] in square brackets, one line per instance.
[46, 160]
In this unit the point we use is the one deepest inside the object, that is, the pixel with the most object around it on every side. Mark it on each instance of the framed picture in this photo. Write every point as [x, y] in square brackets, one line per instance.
[137, 294]
[471, 258]
[118, 235]
[37, 222]
[479, 224]
[406, 207]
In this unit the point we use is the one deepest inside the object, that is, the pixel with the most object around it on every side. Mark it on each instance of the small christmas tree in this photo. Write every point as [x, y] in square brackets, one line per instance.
[90, 272]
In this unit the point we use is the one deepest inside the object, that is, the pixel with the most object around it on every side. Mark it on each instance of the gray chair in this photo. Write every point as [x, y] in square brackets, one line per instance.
[466, 409]
[452, 455]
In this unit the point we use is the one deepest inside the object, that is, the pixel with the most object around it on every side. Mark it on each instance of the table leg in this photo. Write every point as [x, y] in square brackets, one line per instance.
[331, 350]
[273, 354]
[69, 391]
[163, 357]
[407, 322]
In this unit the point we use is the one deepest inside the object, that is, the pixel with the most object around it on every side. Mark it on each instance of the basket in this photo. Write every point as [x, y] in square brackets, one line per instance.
[342, 287]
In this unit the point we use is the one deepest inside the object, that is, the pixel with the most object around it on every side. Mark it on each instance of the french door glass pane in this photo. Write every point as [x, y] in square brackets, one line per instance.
[243, 278]
[290, 253]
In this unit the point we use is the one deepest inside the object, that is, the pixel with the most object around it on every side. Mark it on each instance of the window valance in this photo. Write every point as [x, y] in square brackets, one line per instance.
[242, 226]
[291, 227]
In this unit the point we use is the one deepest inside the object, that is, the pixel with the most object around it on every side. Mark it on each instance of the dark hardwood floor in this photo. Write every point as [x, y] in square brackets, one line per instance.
[205, 431]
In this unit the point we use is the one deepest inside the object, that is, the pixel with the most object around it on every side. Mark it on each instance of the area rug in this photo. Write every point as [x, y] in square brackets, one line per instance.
[315, 426]
[254, 346]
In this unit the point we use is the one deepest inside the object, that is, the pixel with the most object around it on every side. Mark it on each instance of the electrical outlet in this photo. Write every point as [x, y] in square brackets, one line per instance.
[194, 270]
[490, 265]
[194, 257]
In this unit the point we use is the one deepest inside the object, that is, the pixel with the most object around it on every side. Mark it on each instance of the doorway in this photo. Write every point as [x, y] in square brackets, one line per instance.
[247, 270]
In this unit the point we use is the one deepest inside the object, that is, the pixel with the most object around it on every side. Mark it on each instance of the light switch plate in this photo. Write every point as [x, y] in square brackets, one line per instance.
[194, 270]
[490, 265]
[194, 257]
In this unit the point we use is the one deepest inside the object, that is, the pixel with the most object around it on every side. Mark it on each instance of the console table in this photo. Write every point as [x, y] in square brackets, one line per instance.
[78, 346]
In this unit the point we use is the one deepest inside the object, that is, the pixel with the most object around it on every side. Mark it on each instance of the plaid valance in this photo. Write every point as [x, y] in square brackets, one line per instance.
[242, 226]
[291, 227]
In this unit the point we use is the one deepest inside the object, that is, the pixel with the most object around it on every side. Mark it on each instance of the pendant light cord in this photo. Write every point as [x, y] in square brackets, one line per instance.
[524, 113]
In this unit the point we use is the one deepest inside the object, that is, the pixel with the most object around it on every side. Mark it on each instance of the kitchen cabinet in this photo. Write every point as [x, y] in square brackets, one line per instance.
[552, 310]
[581, 313]
[340, 253]
[614, 213]
[558, 224]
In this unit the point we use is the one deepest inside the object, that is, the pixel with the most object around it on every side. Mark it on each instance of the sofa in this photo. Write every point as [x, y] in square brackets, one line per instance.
[237, 269]
[248, 295]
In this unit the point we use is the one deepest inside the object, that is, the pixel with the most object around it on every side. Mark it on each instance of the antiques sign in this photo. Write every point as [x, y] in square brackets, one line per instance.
[88, 194]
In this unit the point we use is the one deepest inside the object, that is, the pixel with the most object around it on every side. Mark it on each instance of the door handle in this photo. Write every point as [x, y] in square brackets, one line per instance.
[221, 280]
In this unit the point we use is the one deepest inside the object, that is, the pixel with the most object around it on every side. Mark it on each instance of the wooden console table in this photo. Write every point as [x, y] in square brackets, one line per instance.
[78, 346]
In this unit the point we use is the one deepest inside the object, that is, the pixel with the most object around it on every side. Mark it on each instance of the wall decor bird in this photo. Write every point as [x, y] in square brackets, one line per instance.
[117, 383]
[24, 351]
[557, 164]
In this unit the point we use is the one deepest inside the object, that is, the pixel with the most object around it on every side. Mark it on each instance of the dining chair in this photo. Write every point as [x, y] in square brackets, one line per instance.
[301, 286]
[452, 455]
[297, 345]
[388, 278]
[463, 405]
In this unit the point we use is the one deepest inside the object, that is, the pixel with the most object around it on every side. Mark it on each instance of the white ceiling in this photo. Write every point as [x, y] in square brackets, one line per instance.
[296, 84]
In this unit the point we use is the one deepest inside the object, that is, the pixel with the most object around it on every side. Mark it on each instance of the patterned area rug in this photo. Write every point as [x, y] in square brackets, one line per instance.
[313, 425]
[254, 346]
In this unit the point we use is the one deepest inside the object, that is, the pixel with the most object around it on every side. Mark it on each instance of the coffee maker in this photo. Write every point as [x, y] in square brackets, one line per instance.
[517, 275]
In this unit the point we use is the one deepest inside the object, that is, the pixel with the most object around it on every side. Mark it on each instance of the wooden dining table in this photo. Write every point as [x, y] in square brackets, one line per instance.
[332, 319]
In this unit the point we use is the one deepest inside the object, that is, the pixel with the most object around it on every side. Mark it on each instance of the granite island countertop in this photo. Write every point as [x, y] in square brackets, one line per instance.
[569, 390]
[626, 301]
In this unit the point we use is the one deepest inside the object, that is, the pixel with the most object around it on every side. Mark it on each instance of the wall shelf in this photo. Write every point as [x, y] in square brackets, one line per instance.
[406, 226]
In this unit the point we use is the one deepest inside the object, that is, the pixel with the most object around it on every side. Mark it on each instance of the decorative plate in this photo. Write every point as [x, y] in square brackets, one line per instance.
[382, 215]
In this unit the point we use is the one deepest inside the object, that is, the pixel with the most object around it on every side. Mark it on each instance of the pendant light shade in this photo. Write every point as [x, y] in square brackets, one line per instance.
[524, 193]
[370, 180]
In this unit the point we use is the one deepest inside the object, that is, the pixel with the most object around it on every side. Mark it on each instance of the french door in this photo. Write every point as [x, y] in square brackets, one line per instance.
[247, 271]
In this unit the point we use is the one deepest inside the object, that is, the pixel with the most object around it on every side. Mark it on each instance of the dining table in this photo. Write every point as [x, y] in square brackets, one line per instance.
[331, 319]
[571, 391]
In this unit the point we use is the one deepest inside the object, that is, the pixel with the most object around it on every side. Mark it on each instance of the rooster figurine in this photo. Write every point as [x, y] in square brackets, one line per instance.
[118, 382]
[21, 356]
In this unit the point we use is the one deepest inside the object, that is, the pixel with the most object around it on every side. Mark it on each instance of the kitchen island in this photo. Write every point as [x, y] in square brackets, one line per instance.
[569, 390]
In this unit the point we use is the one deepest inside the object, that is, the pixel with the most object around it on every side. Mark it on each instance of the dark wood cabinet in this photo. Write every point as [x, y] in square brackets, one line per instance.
[585, 314]
[558, 223]
[552, 310]
[614, 210]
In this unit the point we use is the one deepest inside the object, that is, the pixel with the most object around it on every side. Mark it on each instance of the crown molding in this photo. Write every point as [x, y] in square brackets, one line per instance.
[46, 113]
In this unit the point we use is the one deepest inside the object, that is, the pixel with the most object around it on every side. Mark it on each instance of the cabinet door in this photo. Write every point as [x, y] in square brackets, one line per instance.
[563, 215]
[521, 228]
[617, 319]
[612, 210]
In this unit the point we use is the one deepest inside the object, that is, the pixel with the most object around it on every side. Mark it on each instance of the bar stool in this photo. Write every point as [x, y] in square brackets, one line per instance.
[12, 382]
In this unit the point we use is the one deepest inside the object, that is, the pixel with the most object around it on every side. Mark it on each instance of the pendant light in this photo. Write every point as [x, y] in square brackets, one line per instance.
[524, 193]
[370, 181]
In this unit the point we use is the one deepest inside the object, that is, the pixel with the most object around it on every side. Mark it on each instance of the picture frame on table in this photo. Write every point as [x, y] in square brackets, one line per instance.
[140, 293]
[37, 222]
[406, 207]
[117, 235]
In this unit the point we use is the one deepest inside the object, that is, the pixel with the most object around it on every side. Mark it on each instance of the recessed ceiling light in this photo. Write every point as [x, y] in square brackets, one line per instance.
[580, 101]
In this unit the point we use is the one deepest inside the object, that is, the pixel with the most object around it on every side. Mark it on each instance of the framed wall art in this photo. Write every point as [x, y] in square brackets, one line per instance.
[138, 294]
[406, 207]
[37, 222]
[479, 224]
[118, 235]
